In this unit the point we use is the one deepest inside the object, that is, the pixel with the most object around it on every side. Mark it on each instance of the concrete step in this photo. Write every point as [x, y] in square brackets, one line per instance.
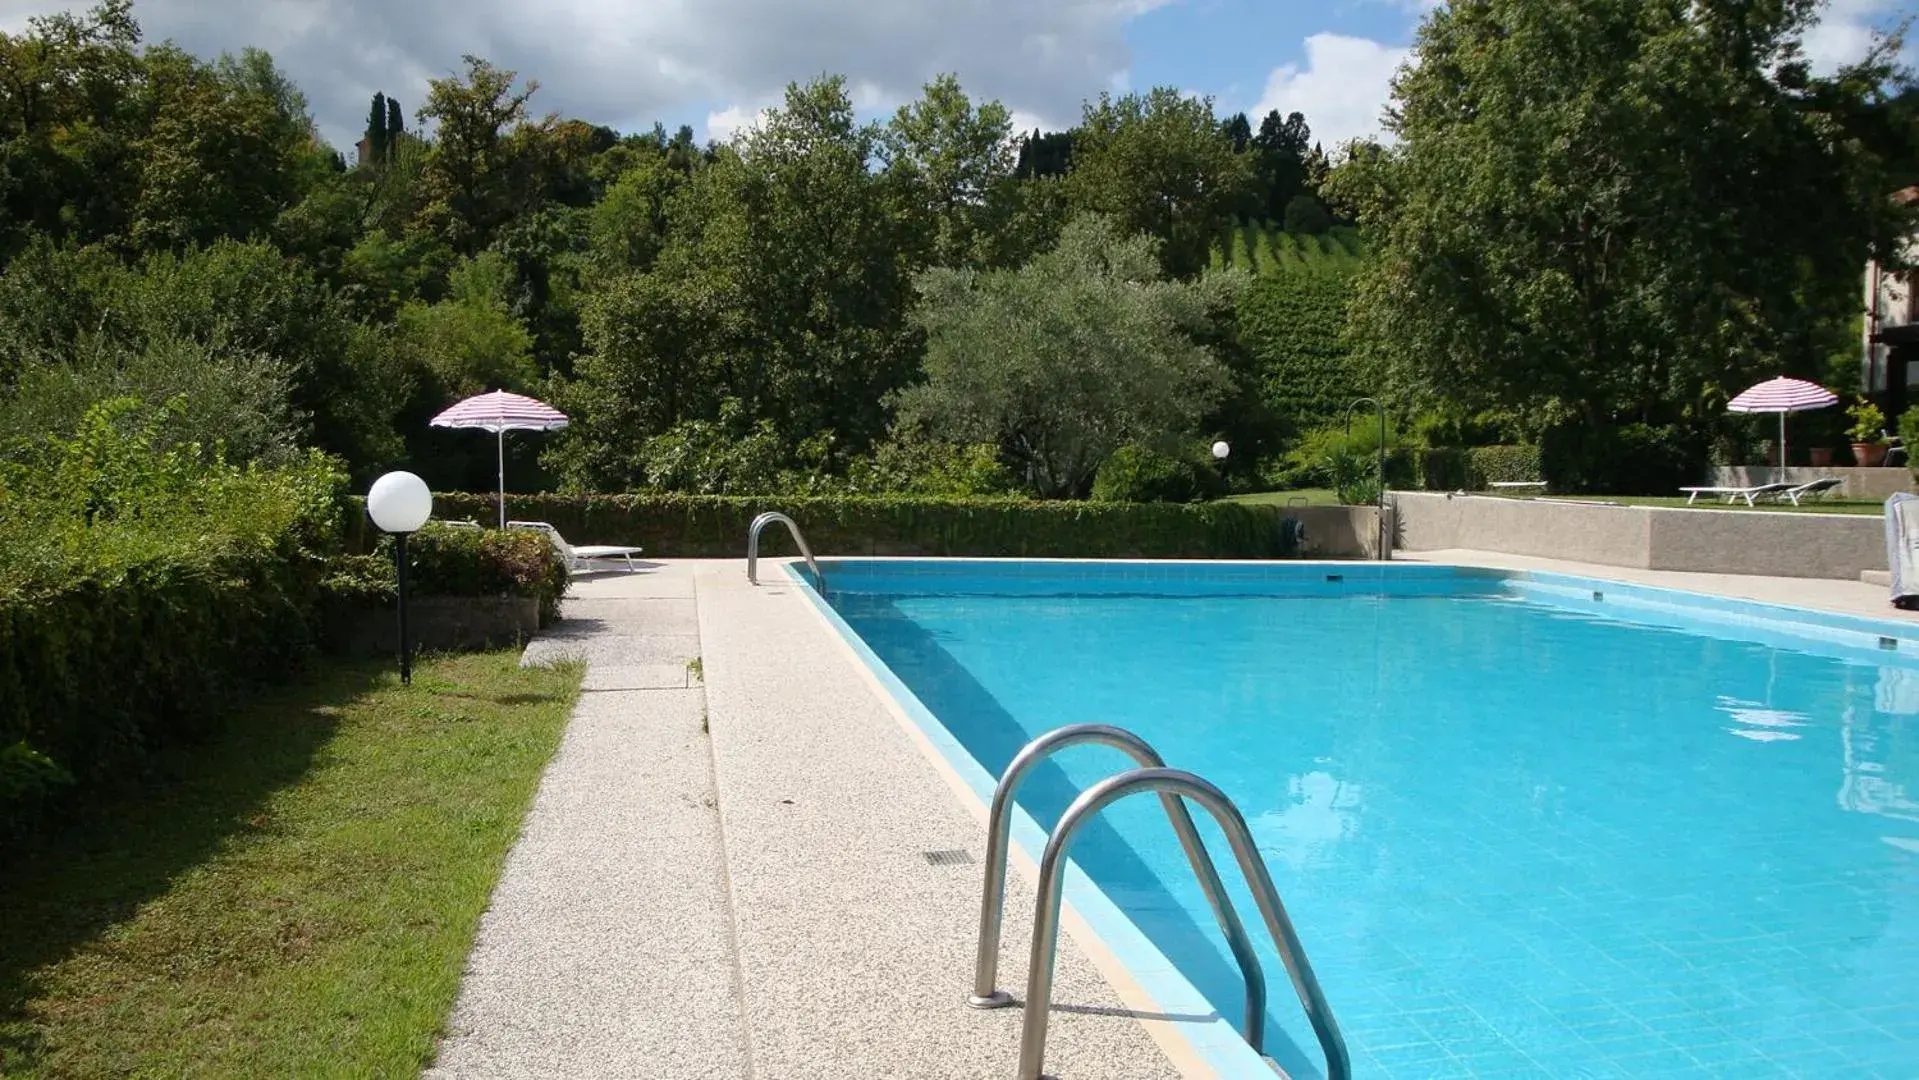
[1881, 578]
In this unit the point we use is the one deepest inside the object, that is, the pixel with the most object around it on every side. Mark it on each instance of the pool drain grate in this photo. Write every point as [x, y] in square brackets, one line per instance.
[955, 857]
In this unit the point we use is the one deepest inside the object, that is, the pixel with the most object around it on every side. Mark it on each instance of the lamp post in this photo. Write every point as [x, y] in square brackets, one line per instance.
[399, 503]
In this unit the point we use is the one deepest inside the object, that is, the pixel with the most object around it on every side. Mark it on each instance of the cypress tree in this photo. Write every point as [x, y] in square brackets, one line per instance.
[395, 123]
[376, 131]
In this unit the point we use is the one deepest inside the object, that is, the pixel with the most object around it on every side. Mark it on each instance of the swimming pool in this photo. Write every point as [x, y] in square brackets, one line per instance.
[1525, 824]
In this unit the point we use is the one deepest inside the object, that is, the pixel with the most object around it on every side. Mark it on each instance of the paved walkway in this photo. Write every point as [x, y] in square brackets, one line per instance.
[727, 878]
[1825, 594]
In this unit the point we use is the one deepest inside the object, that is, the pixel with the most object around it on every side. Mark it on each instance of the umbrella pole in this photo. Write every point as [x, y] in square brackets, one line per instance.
[502, 437]
[1783, 459]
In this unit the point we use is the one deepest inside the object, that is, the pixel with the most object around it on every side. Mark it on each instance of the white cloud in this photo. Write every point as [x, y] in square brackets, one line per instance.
[732, 120]
[628, 63]
[1847, 30]
[1342, 90]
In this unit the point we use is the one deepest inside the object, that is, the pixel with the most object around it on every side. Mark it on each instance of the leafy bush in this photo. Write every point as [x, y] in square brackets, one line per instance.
[1634, 459]
[1445, 468]
[140, 588]
[905, 466]
[443, 560]
[689, 526]
[1868, 422]
[1311, 460]
[1503, 464]
[1139, 474]
[1909, 437]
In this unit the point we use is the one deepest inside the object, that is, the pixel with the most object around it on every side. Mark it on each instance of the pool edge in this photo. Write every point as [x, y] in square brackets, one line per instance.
[1138, 972]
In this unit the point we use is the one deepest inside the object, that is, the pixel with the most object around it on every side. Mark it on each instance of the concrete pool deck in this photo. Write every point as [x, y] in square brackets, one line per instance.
[725, 875]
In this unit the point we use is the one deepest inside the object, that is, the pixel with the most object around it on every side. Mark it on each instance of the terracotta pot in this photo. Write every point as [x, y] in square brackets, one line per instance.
[1820, 456]
[1868, 455]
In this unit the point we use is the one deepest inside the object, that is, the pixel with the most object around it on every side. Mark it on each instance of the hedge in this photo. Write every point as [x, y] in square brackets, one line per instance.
[1504, 464]
[714, 526]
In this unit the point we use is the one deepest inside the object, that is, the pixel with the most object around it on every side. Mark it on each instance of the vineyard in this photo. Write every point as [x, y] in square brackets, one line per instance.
[1264, 249]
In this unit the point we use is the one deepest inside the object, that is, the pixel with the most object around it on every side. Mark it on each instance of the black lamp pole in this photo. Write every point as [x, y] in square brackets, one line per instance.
[406, 649]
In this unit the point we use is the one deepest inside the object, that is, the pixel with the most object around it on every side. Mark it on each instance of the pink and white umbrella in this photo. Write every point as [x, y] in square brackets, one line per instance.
[501, 412]
[1783, 395]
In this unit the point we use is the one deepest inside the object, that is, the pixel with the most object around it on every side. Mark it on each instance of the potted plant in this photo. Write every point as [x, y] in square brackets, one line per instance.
[1819, 457]
[1868, 434]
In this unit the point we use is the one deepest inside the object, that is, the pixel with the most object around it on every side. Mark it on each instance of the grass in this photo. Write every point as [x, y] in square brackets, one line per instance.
[294, 898]
[1313, 497]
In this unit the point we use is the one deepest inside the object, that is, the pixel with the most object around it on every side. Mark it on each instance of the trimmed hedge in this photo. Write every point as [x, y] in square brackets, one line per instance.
[714, 526]
[1505, 464]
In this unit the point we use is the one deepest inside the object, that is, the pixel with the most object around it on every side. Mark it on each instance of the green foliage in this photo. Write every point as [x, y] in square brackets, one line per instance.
[1569, 223]
[30, 783]
[727, 456]
[1069, 357]
[1632, 459]
[1306, 215]
[141, 587]
[1293, 326]
[1353, 475]
[468, 343]
[444, 560]
[908, 466]
[1446, 468]
[1158, 164]
[696, 526]
[1868, 422]
[1506, 464]
[1141, 474]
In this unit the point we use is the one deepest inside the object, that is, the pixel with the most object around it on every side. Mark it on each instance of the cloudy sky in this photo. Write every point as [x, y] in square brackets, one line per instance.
[714, 63]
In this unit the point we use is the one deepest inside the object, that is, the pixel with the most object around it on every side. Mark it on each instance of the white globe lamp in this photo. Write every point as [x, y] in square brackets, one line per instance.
[399, 503]
[1220, 450]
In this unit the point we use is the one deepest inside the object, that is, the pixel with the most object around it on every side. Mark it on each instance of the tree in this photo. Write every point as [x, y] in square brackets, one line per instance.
[1044, 154]
[1603, 211]
[469, 173]
[1160, 165]
[952, 164]
[377, 139]
[1238, 131]
[1064, 360]
[1279, 163]
[395, 120]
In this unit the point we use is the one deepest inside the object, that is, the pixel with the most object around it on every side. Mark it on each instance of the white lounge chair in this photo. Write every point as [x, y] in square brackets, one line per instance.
[585, 556]
[1734, 494]
[1812, 490]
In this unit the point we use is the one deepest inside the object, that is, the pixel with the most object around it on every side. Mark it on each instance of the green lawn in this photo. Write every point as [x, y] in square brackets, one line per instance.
[1313, 497]
[295, 898]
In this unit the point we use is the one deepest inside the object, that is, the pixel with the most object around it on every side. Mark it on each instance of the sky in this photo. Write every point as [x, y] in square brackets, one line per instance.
[714, 64]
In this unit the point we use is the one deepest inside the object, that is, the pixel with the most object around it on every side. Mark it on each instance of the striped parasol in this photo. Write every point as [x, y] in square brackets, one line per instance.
[501, 412]
[1783, 395]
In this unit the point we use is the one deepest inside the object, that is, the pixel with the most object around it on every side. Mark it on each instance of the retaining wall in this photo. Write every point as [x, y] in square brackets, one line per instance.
[1648, 537]
[1874, 484]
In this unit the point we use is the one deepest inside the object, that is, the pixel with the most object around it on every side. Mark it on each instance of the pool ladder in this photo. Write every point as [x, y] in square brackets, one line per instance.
[753, 547]
[1173, 786]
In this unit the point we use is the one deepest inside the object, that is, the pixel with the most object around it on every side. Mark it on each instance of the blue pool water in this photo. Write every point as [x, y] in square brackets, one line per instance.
[1522, 831]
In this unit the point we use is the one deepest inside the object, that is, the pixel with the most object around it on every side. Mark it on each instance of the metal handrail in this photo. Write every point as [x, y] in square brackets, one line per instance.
[1052, 874]
[753, 547]
[999, 827]
[1381, 553]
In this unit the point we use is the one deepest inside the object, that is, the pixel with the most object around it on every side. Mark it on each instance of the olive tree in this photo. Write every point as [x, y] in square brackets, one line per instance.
[1084, 349]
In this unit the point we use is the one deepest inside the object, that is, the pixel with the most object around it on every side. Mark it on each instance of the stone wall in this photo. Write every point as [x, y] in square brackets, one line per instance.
[437, 624]
[1874, 484]
[1649, 537]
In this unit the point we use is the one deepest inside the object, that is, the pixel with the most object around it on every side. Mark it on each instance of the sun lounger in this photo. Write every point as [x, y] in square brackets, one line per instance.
[1812, 490]
[1733, 494]
[584, 557]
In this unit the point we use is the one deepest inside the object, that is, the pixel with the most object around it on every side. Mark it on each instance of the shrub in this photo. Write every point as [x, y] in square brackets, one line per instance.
[446, 561]
[906, 466]
[692, 526]
[1634, 459]
[1445, 468]
[1138, 474]
[1503, 464]
[140, 589]
[1909, 437]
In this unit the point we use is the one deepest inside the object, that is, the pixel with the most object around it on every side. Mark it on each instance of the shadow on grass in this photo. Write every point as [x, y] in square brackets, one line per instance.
[66, 889]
